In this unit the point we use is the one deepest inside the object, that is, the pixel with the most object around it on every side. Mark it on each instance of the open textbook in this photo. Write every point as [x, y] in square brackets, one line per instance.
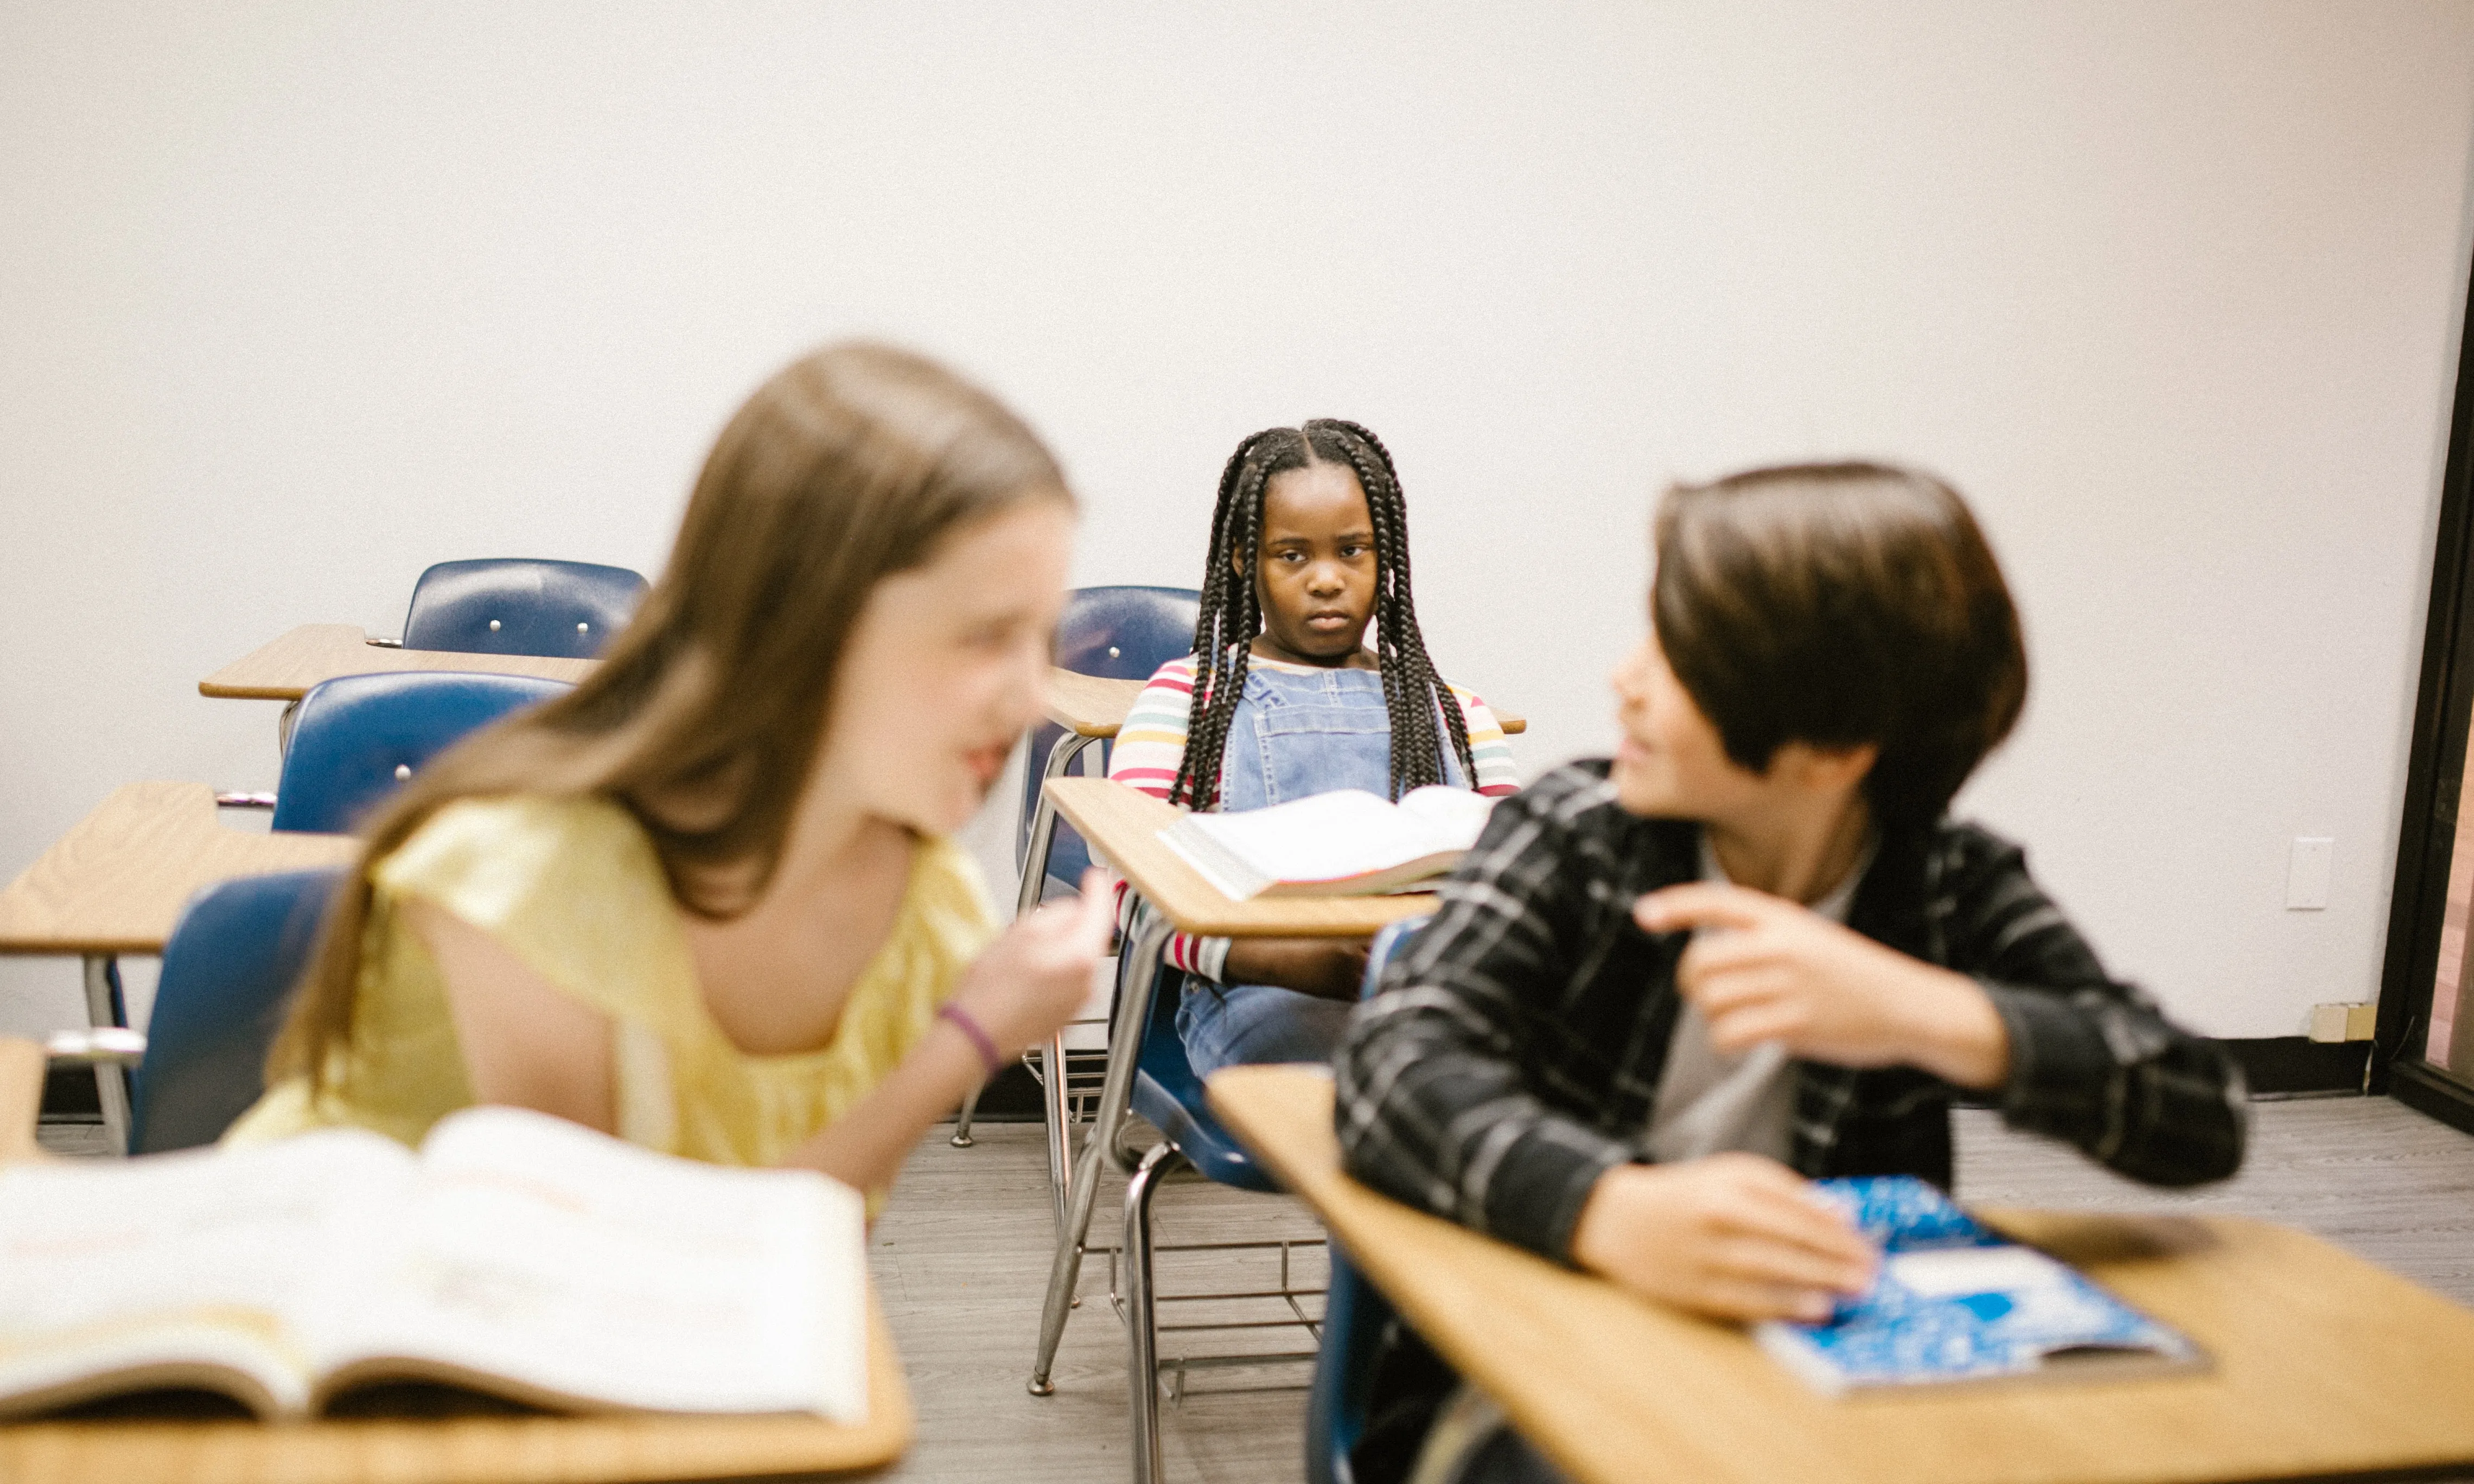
[1955, 1301]
[1346, 843]
[516, 1254]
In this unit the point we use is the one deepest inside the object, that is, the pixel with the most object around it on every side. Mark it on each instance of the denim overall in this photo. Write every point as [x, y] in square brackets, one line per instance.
[1291, 735]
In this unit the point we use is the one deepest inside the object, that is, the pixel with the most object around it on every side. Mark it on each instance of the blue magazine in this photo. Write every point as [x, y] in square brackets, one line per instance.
[1957, 1301]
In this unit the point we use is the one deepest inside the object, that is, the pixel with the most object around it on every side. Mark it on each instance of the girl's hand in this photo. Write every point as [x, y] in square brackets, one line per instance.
[1035, 976]
[1733, 1237]
[1773, 971]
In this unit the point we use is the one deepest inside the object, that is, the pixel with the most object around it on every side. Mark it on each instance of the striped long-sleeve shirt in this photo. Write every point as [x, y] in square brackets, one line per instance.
[1151, 745]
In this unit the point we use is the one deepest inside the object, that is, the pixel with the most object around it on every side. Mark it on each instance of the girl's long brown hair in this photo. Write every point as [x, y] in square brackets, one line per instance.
[850, 465]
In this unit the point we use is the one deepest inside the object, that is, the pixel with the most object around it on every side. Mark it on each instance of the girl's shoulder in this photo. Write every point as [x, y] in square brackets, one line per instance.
[488, 858]
[1176, 675]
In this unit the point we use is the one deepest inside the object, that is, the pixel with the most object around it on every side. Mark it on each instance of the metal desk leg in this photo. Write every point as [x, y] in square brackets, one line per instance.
[1034, 873]
[1061, 1143]
[1141, 1322]
[104, 1006]
[1116, 1091]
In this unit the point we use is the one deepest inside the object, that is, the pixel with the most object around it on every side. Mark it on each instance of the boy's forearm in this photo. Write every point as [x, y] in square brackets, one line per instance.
[2107, 1073]
[1957, 1034]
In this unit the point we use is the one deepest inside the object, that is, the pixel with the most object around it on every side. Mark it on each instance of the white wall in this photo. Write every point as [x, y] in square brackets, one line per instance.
[295, 300]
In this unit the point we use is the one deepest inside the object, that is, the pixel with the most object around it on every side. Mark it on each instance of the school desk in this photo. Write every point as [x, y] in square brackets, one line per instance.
[1123, 826]
[116, 883]
[2324, 1366]
[533, 1448]
[283, 668]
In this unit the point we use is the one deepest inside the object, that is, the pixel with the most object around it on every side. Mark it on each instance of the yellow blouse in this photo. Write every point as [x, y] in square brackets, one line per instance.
[573, 887]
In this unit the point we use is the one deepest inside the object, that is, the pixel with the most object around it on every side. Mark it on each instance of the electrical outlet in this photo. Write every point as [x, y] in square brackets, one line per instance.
[2306, 873]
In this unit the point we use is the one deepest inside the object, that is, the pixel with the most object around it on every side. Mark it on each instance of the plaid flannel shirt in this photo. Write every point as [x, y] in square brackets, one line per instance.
[1512, 1054]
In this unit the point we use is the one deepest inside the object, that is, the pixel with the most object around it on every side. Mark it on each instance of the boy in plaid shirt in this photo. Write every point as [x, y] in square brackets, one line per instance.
[1668, 989]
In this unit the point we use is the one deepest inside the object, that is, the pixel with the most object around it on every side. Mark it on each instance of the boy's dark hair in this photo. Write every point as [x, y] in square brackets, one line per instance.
[1232, 611]
[1839, 605]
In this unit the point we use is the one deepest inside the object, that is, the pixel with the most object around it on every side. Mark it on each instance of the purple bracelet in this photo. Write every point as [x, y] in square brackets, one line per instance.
[962, 1022]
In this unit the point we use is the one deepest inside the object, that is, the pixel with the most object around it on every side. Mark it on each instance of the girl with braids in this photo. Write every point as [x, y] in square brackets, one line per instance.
[707, 900]
[1281, 698]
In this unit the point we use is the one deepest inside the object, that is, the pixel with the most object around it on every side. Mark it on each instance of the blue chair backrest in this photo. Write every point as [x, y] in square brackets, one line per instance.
[228, 971]
[1354, 1311]
[1120, 634]
[353, 732]
[521, 605]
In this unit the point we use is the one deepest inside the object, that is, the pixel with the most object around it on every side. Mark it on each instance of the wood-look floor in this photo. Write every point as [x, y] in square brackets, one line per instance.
[962, 1254]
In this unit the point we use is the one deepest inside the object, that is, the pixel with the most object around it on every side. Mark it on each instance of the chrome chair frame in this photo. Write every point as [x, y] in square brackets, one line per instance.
[1136, 1298]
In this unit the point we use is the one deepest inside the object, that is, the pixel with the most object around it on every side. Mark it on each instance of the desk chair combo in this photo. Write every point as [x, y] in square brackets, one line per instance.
[1148, 1073]
[1122, 633]
[525, 607]
[229, 966]
[356, 740]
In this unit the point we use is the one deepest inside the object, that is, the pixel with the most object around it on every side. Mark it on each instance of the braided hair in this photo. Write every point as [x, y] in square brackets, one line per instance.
[1232, 613]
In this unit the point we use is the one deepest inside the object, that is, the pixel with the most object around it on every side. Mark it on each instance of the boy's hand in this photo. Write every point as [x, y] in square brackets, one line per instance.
[1773, 971]
[1328, 967]
[1733, 1237]
[1035, 975]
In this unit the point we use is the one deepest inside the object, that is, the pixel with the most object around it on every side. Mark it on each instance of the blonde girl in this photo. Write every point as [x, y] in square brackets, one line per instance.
[707, 901]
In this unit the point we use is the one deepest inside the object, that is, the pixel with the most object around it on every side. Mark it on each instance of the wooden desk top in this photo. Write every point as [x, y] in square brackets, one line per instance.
[116, 883]
[1124, 824]
[284, 668]
[2324, 1365]
[1090, 706]
[485, 1449]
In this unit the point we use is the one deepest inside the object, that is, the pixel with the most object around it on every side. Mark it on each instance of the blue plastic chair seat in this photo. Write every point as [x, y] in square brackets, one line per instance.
[228, 970]
[1168, 1093]
[521, 605]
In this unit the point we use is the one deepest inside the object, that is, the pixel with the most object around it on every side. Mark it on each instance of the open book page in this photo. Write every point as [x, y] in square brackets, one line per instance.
[1344, 841]
[179, 1270]
[1458, 816]
[589, 1272]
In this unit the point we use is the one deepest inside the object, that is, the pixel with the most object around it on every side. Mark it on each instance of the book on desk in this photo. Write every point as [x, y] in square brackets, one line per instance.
[516, 1254]
[1955, 1301]
[1346, 842]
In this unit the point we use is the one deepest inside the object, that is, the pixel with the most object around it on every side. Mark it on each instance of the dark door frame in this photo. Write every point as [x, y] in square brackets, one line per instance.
[2434, 770]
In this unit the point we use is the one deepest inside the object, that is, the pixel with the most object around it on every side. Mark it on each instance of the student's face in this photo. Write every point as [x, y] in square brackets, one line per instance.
[1314, 569]
[946, 669]
[1671, 762]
